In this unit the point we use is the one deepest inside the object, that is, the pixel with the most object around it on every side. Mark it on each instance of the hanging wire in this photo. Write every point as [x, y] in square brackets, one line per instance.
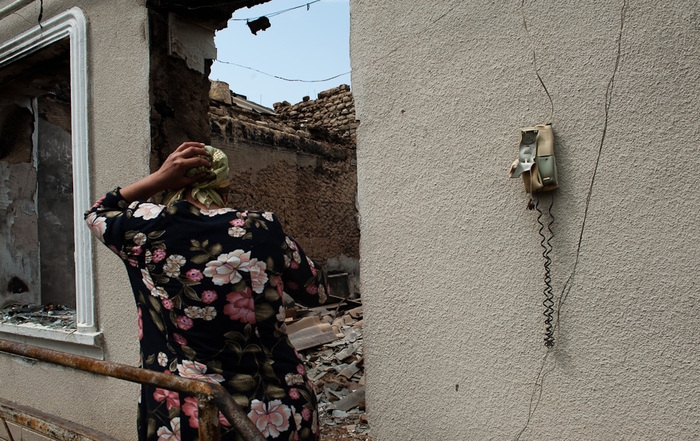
[546, 234]
[274, 14]
[283, 78]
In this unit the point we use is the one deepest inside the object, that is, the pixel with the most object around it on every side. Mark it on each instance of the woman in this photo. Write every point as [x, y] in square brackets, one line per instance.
[208, 283]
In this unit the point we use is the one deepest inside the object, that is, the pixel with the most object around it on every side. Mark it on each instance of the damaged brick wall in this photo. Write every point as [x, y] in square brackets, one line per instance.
[333, 111]
[298, 161]
[300, 164]
[179, 102]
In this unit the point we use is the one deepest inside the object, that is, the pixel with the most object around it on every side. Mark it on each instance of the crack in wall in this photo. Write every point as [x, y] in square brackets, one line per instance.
[538, 387]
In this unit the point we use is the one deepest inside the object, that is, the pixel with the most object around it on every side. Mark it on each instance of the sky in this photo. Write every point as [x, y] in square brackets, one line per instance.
[309, 43]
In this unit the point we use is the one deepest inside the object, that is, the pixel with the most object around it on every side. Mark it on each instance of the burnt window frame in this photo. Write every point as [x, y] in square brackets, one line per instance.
[69, 24]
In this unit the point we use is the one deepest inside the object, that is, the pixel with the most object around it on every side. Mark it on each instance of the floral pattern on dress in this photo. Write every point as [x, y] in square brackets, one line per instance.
[209, 288]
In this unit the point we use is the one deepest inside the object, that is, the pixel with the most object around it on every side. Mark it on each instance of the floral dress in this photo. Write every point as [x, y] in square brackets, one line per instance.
[208, 286]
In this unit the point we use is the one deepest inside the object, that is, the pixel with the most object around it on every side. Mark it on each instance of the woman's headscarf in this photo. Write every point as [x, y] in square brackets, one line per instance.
[205, 189]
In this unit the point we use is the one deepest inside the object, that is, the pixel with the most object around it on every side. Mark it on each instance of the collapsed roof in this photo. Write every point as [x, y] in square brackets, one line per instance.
[213, 13]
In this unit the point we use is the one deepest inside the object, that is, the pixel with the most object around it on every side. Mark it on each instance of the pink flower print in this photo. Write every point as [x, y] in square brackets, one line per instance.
[159, 291]
[97, 225]
[209, 313]
[293, 265]
[294, 393]
[99, 202]
[137, 250]
[140, 312]
[300, 369]
[312, 289]
[236, 232]
[148, 211]
[271, 419]
[258, 276]
[237, 222]
[297, 421]
[173, 264]
[172, 399]
[209, 296]
[185, 323]
[172, 433]
[167, 304]
[279, 284]
[312, 266]
[225, 268]
[194, 275]
[215, 211]
[193, 312]
[179, 339]
[191, 409]
[306, 414]
[140, 239]
[159, 254]
[240, 306]
[196, 370]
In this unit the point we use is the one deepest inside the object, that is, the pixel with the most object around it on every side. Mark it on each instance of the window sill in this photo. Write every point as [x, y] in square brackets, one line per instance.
[72, 341]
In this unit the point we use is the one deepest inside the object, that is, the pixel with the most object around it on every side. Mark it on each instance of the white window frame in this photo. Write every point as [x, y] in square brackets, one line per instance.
[73, 25]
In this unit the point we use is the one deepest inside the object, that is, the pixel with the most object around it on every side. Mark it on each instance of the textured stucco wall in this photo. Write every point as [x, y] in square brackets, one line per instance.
[451, 265]
[119, 153]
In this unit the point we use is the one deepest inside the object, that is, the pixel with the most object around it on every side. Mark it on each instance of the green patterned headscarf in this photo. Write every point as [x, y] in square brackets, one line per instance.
[205, 189]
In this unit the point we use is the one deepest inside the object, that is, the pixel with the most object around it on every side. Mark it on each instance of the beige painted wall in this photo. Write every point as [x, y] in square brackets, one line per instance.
[119, 153]
[451, 265]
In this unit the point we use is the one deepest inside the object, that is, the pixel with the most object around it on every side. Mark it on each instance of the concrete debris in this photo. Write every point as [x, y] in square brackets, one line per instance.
[335, 366]
[309, 332]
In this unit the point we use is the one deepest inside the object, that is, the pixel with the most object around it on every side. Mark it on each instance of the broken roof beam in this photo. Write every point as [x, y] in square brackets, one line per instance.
[212, 13]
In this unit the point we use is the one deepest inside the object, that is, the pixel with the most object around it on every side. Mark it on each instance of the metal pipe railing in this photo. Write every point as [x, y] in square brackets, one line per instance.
[211, 397]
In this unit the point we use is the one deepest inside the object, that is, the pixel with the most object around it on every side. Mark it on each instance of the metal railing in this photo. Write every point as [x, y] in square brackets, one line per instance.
[211, 397]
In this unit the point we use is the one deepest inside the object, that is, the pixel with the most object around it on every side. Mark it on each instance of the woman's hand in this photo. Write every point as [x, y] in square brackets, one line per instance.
[172, 174]
[174, 171]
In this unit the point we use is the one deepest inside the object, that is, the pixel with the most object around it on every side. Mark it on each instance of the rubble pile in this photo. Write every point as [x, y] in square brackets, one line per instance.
[47, 316]
[330, 341]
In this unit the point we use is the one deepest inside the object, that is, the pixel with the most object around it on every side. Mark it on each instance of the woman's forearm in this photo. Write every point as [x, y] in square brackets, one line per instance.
[171, 175]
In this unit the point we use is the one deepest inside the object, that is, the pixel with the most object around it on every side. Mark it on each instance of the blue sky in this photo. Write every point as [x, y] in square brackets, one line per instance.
[302, 44]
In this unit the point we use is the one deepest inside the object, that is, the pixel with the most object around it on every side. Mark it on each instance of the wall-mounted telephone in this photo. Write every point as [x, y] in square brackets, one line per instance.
[538, 169]
[536, 163]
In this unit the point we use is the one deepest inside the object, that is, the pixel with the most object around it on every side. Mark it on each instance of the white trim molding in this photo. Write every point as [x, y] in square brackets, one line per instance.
[73, 25]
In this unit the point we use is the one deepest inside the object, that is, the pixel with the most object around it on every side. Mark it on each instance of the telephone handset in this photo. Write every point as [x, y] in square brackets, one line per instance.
[536, 163]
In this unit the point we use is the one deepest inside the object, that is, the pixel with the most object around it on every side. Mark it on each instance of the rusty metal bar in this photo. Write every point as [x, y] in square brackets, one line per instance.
[205, 392]
[43, 423]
